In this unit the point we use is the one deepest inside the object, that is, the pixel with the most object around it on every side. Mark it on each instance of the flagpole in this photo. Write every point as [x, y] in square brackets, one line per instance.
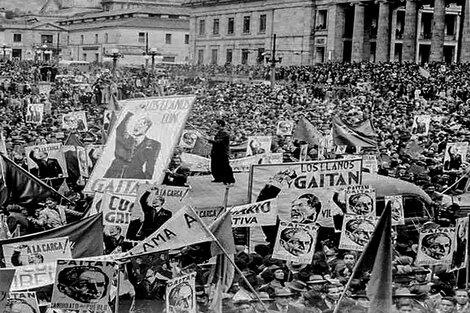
[204, 226]
[116, 304]
[467, 271]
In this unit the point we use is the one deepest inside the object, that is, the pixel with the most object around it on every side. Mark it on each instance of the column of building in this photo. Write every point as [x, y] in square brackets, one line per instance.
[383, 33]
[465, 40]
[357, 54]
[438, 28]
[410, 31]
[335, 32]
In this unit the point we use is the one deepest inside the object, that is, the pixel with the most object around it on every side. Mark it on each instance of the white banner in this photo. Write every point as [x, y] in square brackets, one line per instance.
[360, 200]
[35, 113]
[356, 231]
[460, 255]
[188, 139]
[117, 210]
[140, 144]
[369, 162]
[22, 302]
[46, 161]
[83, 285]
[262, 213]
[306, 190]
[75, 121]
[435, 246]
[455, 154]
[421, 125]
[295, 242]
[181, 294]
[258, 145]
[396, 205]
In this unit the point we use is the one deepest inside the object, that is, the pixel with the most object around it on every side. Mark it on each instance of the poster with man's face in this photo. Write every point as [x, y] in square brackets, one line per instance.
[75, 121]
[93, 153]
[396, 205]
[83, 285]
[180, 294]
[460, 255]
[360, 200]
[22, 302]
[454, 155]
[258, 145]
[188, 139]
[140, 145]
[284, 128]
[436, 246]
[421, 125]
[46, 161]
[356, 232]
[295, 242]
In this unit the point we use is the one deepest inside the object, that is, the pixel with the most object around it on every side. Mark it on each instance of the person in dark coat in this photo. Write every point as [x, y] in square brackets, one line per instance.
[47, 167]
[176, 174]
[154, 214]
[220, 165]
[135, 154]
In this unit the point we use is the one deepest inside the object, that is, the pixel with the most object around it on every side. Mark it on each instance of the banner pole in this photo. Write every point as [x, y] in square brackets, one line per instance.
[116, 304]
[467, 271]
[229, 258]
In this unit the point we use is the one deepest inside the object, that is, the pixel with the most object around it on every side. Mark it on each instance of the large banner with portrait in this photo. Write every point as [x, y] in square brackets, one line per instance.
[75, 121]
[306, 190]
[34, 113]
[140, 145]
[46, 161]
[295, 242]
[421, 125]
[435, 246]
[36, 251]
[460, 255]
[455, 154]
[83, 285]
[284, 128]
[356, 231]
[22, 302]
[396, 206]
[263, 213]
[360, 200]
[258, 145]
[180, 294]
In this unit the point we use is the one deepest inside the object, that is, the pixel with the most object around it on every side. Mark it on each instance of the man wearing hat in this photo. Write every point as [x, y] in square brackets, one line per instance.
[282, 298]
[420, 285]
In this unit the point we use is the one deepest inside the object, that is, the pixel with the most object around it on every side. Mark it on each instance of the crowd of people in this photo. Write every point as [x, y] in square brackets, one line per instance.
[390, 95]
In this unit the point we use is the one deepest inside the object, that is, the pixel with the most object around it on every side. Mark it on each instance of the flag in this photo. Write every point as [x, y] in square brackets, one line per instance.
[6, 277]
[222, 230]
[86, 236]
[221, 278]
[378, 256]
[183, 229]
[304, 130]
[21, 187]
[202, 147]
[362, 135]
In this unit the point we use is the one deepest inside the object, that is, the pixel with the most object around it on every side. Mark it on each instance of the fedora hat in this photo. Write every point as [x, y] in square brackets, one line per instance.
[316, 279]
[297, 285]
[403, 292]
[282, 292]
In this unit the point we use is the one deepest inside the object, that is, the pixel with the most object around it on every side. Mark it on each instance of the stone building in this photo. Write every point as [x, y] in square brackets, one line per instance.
[240, 31]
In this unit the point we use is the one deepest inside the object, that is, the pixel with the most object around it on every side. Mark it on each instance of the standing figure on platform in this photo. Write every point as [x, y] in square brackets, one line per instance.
[220, 166]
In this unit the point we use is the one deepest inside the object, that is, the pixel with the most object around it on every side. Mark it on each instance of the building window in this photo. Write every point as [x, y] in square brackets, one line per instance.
[47, 39]
[16, 53]
[321, 19]
[168, 39]
[97, 57]
[141, 37]
[245, 53]
[16, 37]
[229, 56]
[186, 39]
[260, 58]
[200, 56]
[84, 57]
[202, 27]
[215, 27]
[246, 24]
[214, 56]
[106, 38]
[96, 38]
[230, 25]
[450, 24]
[82, 39]
[262, 23]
